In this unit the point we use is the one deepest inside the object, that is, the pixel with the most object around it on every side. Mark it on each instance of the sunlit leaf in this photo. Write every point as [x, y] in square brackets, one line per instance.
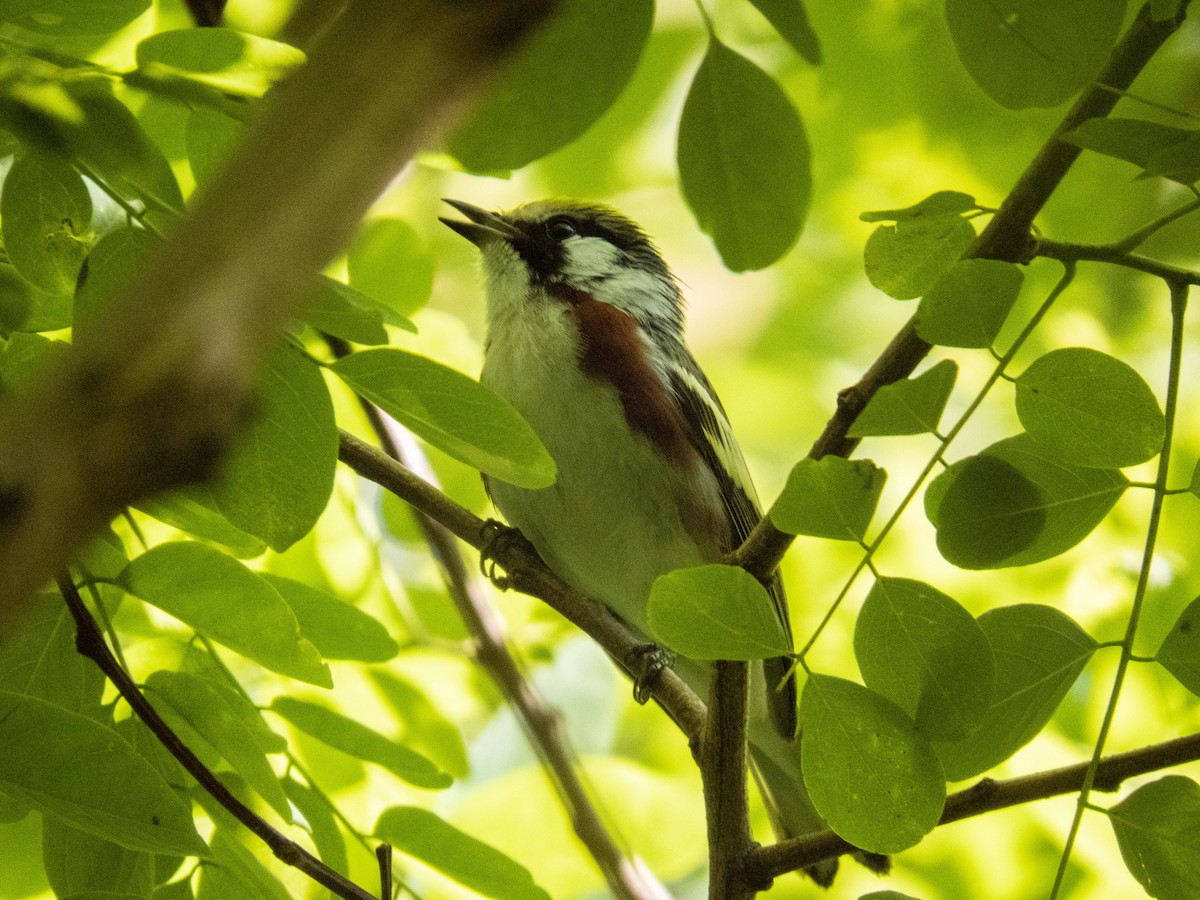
[422, 835]
[562, 80]
[236, 872]
[222, 599]
[425, 727]
[905, 260]
[193, 510]
[361, 742]
[41, 746]
[1158, 831]
[872, 776]
[69, 17]
[1025, 53]
[1090, 409]
[743, 160]
[220, 59]
[1016, 504]
[45, 214]
[317, 815]
[391, 263]
[967, 305]
[830, 497]
[455, 413]
[337, 629]
[716, 612]
[277, 478]
[1039, 652]
[911, 406]
[922, 650]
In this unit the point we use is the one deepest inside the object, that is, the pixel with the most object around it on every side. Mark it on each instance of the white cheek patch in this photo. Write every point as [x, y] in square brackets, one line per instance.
[596, 266]
[589, 259]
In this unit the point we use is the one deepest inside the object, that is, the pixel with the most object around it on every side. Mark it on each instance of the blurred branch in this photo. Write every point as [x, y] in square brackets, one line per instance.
[625, 878]
[207, 13]
[989, 795]
[1007, 237]
[527, 574]
[90, 643]
[150, 397]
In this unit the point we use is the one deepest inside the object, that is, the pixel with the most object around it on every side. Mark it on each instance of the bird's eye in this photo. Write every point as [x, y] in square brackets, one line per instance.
[560, 228]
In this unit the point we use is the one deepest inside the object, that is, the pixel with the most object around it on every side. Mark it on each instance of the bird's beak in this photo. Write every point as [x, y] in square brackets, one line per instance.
[484, 226]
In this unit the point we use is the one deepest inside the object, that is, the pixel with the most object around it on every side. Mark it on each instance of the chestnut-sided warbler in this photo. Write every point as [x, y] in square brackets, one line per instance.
[585, 338]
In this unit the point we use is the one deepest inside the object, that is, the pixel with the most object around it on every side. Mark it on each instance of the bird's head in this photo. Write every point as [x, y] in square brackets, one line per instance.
[558, 251]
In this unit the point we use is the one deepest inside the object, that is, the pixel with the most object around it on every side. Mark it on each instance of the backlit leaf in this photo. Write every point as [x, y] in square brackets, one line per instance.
[1180, 650]
[791, 21]
[830, 497]
[1158, 831]
[391, 263]
[911, 406]
[967, 305]
[225, 61]
[905, 260]
[45, 214]
[939, 203]
[337, 629]
[1156, 148]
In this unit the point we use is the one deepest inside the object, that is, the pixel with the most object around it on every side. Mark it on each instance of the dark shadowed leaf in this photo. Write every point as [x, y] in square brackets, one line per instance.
[830, 497]
[68, 17]
[422, 835]
[904, 260]
[455, 413]
[912, 406]
[922, 650]
[79, 864]
[789, 18]
[1023, 53]
[967, 305]
[558, 84]
[743, 160]
[1158, 831]
[1158, 149]
[1180, 650]
[871, 775]
[222, 599]
[344, 312]
[1090, 409]
[716, 612]
[104, 270]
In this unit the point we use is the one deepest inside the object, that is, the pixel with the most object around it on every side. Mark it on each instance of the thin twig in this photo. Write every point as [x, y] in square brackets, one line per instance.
[1116, 255]
[989, 795]
[90, 643]
[542, 725]
[1007, 237]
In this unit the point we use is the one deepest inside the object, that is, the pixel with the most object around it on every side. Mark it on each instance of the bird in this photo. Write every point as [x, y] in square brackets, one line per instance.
[585, 337]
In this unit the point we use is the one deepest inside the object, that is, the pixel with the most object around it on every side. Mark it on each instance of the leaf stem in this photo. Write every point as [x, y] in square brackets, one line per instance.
[1179, 294]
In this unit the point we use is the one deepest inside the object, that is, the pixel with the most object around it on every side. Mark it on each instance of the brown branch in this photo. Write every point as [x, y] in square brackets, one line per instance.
[527, 574]
[989, 795]
[542, 725]
[90, 643]
[1007, 237]
[150, 397]
[1116, 255]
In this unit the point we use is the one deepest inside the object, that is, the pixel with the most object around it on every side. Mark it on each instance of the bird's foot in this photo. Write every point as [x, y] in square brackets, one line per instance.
[498, 538]
[647, 663]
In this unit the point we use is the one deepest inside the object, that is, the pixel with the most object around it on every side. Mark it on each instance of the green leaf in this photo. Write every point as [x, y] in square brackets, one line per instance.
[454, 413]
[344, 312]
[716, 612]
[41, 747]
[1179, 653]
[1039, 652]
[361, 742]
[16, 300]
[939, 203]
[1090, 409]
[69, 17]
[193, 510]
[967, 305]
[45, 215]
[317, 815]
[41, 311]
[337, 629]
[923, 651]
[210, 136]
[912, 406]
[78, 863]
[1158, 831]
[391, 263]
[744, 162]
[468, 861]
[887, 895]
[1150, 145]
[1025, 53]
[829, 497]
[236, 872]
[870, 774]
[904, 260]
[789, 18]
[560, 82]
[425, 728]
[1016, 504]
[218, 59]
[104, 271]
[40, 659]
[225, 601]
[230, 725]
[277, 479]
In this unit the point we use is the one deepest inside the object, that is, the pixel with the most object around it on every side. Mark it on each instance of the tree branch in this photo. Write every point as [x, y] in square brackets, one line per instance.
[989, 795]
[150, 397]
[90, 643]
[527, 574]
[1006, 237]
[626, 879]
[1116, 255]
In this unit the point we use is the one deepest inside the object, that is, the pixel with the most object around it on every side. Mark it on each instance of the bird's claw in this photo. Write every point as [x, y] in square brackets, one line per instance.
[496, 538]
[647, 662]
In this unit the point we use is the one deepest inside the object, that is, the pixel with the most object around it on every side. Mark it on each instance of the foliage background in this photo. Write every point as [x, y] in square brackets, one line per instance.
[891, 116]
